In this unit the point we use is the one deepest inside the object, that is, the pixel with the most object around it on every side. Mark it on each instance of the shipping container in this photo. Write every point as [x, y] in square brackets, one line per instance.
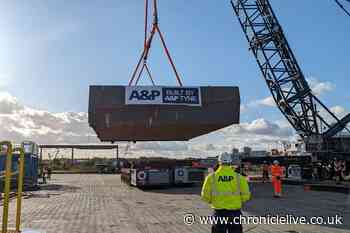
[30, 169]
[31, 163]
[150, 177]
[189, 175]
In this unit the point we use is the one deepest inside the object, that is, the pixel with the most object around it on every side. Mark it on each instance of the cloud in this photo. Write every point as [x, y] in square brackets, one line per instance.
[268, 101]
[161, 146]
[8, 103]
[210, 147]
[243, 108]
[258, 134]
[339, 111]
[21, 122]
[261, 127]
[319, 87]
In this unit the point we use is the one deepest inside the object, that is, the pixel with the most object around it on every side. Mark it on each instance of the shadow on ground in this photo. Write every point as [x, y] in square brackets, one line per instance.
[58, 187]
[49, 190]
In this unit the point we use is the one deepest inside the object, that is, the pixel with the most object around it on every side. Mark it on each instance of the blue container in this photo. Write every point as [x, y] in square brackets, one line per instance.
[3, 163]
[30, 168]
[31, 163]
[14, 168]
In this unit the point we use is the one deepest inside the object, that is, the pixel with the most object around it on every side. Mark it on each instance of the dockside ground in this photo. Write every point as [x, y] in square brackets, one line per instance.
[101, 203]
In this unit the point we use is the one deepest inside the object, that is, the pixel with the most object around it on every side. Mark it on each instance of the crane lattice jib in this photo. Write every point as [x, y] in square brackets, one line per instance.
[280, 69]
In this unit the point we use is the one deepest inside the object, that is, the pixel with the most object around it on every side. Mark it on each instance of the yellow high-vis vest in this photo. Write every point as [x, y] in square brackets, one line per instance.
[225, 189]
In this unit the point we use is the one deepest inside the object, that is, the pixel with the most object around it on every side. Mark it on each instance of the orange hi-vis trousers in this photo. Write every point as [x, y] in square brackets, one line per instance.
[277, 174]
[277, 185]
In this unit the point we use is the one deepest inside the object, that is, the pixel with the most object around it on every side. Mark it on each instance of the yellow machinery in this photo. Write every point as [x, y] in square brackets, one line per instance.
[8, 175]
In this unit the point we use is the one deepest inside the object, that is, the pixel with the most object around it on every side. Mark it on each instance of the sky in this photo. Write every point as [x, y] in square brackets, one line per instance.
[51, 51]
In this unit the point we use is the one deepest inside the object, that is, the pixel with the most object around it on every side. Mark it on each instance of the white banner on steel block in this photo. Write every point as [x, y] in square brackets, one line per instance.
[158, 95]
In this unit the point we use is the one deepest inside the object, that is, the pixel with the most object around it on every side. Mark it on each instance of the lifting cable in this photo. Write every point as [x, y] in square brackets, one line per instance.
[147, 45]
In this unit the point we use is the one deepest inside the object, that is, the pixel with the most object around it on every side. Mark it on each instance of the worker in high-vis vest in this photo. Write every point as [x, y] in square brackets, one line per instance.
[277, 173]
[226, 191]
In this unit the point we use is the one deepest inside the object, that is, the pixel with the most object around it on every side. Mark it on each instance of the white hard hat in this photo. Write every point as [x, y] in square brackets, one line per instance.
[225, 158]
[276, 162]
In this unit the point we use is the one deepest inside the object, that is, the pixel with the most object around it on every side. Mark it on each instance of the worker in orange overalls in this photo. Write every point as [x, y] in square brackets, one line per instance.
[276, 173]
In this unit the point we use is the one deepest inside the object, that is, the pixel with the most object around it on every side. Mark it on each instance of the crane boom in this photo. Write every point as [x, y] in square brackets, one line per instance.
[280, 69]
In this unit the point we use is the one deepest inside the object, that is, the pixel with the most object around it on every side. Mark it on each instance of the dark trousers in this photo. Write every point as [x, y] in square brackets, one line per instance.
[230, 227]
[265, 175]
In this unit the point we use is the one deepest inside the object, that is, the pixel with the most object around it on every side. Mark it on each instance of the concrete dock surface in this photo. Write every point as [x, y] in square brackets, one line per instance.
[101, 204]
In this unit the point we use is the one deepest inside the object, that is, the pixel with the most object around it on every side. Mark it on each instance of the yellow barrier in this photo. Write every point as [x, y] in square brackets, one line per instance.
[20, 189]
[7, 185]
[7, 188]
